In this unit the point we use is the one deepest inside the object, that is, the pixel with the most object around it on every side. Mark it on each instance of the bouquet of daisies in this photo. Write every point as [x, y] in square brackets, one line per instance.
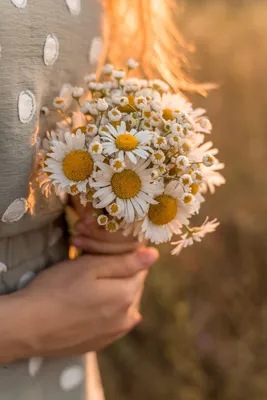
[137, 152]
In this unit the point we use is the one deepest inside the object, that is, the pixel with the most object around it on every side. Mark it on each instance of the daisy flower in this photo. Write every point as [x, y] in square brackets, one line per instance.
[131, 189]
[69, 164]
[166, 217]
[120, 142]
[195, 234]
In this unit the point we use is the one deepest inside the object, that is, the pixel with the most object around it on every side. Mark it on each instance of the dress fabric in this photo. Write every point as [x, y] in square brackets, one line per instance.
[43, 45]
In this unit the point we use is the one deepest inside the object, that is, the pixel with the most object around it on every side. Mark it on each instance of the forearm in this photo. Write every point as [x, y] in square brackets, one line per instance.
[17, 325]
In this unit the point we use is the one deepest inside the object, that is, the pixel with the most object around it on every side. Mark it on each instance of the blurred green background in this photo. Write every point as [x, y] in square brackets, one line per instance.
[204, 334]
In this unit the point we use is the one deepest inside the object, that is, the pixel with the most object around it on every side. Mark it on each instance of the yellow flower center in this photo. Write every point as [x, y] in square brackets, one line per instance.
[115, 123]
[167, 114]
[163, 212]
[73, 189]
[194, 188]
[111, 226]
[126, 184]
[147, 114]
[114, 208]
[90, 195]
[126, 142]
[175, 171]
[82, 129]
[78, 165]
[129, 107]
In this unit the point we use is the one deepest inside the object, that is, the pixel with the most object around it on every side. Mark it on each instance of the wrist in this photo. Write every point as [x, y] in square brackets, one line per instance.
[18, 328]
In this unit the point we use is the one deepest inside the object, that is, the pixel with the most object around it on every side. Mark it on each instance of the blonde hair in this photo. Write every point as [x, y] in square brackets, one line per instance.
[147, 31]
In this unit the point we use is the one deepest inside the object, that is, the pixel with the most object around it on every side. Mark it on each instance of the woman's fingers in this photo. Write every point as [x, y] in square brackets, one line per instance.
[96, 247]
[127, 265]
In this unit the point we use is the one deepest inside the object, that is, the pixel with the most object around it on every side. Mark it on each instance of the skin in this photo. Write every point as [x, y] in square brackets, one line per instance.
[74, 307]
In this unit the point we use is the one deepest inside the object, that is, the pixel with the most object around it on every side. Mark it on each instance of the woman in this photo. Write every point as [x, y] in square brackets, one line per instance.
[80, 305]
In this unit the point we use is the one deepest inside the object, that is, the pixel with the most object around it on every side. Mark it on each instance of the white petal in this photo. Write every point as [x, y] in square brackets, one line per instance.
[34, 365]
[15, 211]
[131, 157]
[71, 377]
[107, 201]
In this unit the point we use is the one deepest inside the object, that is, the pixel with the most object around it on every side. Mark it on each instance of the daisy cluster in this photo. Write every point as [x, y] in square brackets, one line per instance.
[137, 152]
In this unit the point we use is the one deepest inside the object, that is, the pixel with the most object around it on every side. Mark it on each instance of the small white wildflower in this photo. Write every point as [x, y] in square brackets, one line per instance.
[182, 162]
[117, 165]
[118, 74]
[154, 174]
[101, 105]
[90, 78]
[77, 92]
[197, 177]
[89, 108]
[112, 226]
[91, 129]
[132, 64]
[114, 114]
[162, 169]
[187, 198]
[102, 220]
[140, 102]
[107, 85]
[146, 125]
[185, 147]
[158, 157]
[155, 119]
[208, 160]
[205, 124]
[186, 180]
[167, 126]
[108, 69]
[95, 86]
[160, 142]
[174, 140]
[177, 129]
[59, 103]
[113, 209]
[45, 111]
[95, 148]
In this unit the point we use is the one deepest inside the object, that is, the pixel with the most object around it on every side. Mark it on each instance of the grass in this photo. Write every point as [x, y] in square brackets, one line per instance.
[204, 335]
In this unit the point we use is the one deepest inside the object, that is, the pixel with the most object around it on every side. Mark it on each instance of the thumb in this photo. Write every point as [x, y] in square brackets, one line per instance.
[124, 266]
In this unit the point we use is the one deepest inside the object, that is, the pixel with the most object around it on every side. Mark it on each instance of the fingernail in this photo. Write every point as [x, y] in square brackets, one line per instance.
[147, 256]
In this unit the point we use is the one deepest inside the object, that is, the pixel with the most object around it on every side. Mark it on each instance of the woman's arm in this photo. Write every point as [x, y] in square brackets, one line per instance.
[74, 307]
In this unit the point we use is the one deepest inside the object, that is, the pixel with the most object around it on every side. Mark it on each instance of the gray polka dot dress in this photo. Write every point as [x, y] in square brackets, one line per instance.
[43, 45]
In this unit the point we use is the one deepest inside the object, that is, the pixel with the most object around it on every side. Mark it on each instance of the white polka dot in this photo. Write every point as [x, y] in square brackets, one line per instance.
[51, 49]
[71, 377]
[19, 3]
[3, 268]
[66, 94]
[95, 50]
[26, 279]
[34, 365]
[15, 211]
[26, 106]
[74, 6]
[55, 236]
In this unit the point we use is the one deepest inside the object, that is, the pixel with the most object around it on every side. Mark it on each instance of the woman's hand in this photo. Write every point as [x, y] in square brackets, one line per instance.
[94, 239]
[74, 307]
